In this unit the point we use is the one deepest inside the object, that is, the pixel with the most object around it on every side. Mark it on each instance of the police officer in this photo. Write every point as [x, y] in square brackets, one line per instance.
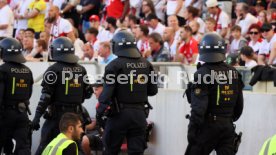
[127, 98]
[16, 83]
[64, 89]
[216, 101]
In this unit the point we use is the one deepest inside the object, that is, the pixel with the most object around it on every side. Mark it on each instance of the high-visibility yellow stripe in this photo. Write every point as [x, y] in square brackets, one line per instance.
[66, 86]
[13, 85]
[131, 82]
[218, 95]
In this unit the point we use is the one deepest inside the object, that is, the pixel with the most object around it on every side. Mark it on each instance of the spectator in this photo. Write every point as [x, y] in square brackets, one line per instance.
[71, 130]
[155, 24]
[88, 53]
[268, 46]
[22, 6]
[195, 28]
[142, 32]
[194, 3]
[118, 9]
[244, 18]
[271, 17]
[232, 59]
[238, 42]
[37, 53]
[44, 36]
[111, 26]
[262, 17]
[103, 34]
[147, 9]
[260, 5]
[60, 27]
[159, 9]
[210, 25]
[188, 50]
[130, 21]
[226, 6]
[158, 52]
[7, 19]
[170, 42]
[35, 15]
[222, 19]
[28, 45]
[105, 53]
[191, 14]
[88, 8]
[68, 10]
[247, 55]
[91, 38]
[173, 23]
[20, 35]
[176, 7]
[255, 38]
[78, 44]
[29, 32]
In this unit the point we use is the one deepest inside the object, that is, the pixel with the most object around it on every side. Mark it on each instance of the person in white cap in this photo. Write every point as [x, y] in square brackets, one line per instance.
[222, 19]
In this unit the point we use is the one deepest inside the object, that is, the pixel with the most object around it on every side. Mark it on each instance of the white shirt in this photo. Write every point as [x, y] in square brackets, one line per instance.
[235, 45]
[201, 24]
[143, 46]
[223, 21]
[160, 28]
[256, 47]
[251, 64]
[23, 6]
[78, 44]
[247, 22]
[171, 7]
[61, 28]
[177, 35]
[198, 4]
[267, 46]
[103, 35]
[172, 48]
[7, 18]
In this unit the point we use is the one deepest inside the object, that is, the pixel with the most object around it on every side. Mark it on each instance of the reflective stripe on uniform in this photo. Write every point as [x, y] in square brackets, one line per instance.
[269, 147]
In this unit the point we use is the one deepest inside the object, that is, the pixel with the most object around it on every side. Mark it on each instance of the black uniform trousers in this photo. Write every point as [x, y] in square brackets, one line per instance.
[130, 123]
[214, 135]
[16, 132]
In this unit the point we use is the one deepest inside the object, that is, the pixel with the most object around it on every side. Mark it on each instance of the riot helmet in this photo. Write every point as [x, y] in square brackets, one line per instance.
[212, 48]
[11, 50]
[62, 50]
[123, 44]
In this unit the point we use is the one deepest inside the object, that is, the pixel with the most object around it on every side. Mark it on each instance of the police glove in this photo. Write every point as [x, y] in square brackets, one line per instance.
[35, 123]
[192, 133]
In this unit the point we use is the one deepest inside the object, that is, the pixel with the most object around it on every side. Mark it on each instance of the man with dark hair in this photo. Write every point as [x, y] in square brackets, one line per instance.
[158, 52]
[71, 130]
[130, 21]
[244, 18]
[29, 32]
[142, 33]
[91, 38]
[110, 25]
[188, 49]
[192, 14]
[154, 24]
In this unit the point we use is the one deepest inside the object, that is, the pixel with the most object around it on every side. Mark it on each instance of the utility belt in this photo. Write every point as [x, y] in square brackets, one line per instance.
[215, 118]
[21, 106]
[57, 110]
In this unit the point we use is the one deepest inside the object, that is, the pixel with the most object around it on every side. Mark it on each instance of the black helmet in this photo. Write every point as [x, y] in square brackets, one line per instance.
[11, 50]
[63, 50]
[212, 48]
[124, 44]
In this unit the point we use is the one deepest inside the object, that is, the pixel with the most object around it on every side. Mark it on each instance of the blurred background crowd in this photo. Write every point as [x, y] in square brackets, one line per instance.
[165, 30]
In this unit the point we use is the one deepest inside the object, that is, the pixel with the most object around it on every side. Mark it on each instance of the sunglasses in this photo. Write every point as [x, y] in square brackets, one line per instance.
[254, 32]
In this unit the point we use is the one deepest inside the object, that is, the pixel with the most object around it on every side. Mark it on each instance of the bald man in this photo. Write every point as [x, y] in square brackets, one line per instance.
[170, 42]
[195, 28]
[60, 27]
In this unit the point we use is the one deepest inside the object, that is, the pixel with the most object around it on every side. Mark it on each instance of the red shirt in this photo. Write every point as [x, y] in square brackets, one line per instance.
[115, 8]
[189, 49]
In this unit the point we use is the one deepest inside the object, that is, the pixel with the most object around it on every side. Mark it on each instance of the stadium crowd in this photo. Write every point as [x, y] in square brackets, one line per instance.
[165, 30]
